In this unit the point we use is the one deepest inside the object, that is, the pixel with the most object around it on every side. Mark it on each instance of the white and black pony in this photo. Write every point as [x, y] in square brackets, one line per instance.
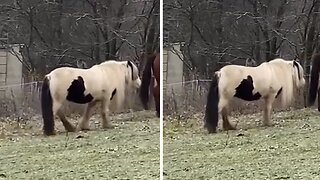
[267, 81]
[106, 83]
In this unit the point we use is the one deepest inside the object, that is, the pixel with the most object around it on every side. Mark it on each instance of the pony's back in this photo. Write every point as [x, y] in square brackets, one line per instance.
[231, 76]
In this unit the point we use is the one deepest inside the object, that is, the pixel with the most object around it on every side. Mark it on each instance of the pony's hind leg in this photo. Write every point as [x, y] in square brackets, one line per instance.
[226, 124]
[67, 125]
[223, 109]
[267, 110]
[56, 109]
[106, 124]
[84, 123]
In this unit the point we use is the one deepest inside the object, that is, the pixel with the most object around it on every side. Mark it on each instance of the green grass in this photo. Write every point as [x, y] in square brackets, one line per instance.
[290, 149]
[130, 151]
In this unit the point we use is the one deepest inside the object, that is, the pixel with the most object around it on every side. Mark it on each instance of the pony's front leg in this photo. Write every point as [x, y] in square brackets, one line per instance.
[106, 124]
[84, 123]
[267, 110]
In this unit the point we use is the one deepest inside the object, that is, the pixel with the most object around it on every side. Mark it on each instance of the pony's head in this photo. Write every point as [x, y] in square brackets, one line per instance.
[132, 76]
[298, 74]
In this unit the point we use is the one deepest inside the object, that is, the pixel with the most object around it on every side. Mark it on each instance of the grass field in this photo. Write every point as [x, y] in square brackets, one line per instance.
[129, 151]
[290, 149]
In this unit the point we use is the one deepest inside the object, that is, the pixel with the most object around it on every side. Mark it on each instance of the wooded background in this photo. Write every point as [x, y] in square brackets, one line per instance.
[219, 32]
[79, 33]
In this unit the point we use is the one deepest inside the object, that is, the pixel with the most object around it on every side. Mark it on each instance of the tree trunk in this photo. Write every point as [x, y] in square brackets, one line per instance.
[97, 33]
[152, 36]
[309, 44]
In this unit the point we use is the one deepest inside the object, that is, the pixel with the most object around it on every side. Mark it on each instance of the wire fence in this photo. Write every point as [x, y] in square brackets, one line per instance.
[184, 99]
[22, 101]
[18, 99]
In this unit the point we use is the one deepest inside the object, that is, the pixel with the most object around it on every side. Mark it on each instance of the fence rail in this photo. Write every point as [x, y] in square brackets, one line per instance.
[23, 100]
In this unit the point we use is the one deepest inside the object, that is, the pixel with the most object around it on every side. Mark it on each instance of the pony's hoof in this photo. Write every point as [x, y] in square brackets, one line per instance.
[267, 125]
[108, 126]
[83, 128]
[212, 131]
[49, 133]
[71, 129]
[229, 128]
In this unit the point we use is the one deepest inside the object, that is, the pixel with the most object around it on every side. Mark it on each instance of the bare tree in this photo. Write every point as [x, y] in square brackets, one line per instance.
[63, 33]
[221, 32]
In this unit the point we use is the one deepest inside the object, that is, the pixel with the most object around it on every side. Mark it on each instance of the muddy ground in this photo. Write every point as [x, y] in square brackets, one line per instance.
[287, 150]
[129, 151]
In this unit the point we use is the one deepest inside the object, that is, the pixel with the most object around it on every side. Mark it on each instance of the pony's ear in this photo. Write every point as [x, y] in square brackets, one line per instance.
[129, 63]
[296, 58]
[296, 61]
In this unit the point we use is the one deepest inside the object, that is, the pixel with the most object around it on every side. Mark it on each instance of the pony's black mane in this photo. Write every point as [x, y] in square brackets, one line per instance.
[295, 64]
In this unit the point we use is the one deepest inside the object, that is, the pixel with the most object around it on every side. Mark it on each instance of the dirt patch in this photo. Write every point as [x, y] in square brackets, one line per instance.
[129, 151]
[287, 150]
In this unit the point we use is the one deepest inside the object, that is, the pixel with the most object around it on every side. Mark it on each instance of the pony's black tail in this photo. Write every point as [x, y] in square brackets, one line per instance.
[212, 114]
[46, 107]
[313, 86]
[146, 79]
